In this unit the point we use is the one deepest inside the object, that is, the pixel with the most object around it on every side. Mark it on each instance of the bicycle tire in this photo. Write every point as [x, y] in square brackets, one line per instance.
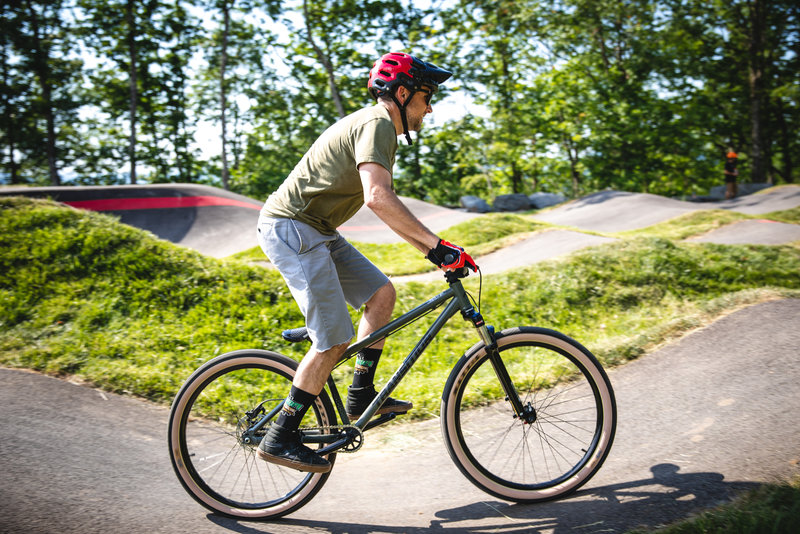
[212, 462]
[558, 452]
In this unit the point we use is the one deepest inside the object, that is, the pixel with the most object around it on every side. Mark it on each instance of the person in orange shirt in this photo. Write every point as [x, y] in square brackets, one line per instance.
[731, 172]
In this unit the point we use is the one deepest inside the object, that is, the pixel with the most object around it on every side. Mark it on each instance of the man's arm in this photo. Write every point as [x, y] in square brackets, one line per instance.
[379, 197]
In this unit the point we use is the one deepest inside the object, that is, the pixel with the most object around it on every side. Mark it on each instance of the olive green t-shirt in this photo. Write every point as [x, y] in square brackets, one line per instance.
[324, 190]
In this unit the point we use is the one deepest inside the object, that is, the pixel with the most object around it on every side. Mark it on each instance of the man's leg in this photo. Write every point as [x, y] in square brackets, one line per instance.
[302, 256]
[377, 312]
[316, 367]
[282, 445]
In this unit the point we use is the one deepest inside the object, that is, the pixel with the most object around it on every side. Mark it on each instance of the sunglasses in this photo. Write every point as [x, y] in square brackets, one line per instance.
[428, 96]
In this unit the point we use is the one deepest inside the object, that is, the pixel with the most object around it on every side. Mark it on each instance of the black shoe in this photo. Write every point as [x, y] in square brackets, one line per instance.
[358, 399]
[283, 447]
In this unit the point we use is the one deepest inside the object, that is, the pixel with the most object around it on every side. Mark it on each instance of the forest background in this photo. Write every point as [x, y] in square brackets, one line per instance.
[567, 96]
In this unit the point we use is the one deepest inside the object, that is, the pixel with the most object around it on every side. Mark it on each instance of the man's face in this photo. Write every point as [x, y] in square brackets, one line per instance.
[419, 106]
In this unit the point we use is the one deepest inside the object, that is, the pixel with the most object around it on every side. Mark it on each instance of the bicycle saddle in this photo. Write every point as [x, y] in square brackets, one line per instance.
[296, 335]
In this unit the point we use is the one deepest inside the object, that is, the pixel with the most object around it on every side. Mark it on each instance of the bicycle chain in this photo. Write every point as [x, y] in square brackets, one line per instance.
[355, 445]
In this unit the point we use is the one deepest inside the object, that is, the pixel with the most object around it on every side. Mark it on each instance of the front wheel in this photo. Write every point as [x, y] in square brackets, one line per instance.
[212, 450]
[568, 427]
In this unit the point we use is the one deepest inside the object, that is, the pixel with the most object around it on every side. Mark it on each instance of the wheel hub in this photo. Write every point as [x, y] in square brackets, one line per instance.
[528, 415]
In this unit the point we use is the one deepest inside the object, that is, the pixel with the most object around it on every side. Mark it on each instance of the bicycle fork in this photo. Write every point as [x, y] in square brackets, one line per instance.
[526, 413]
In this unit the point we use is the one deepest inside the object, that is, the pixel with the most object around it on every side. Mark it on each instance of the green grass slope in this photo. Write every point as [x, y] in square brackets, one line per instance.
[85, 296]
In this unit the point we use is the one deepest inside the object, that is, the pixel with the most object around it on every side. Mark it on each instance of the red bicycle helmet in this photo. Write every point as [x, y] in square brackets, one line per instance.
[397, 68]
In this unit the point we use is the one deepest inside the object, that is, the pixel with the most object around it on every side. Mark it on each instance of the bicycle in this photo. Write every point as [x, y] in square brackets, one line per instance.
[535, 437]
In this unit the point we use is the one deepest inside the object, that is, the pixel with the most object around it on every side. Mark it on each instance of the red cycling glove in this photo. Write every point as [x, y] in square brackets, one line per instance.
[450, 257]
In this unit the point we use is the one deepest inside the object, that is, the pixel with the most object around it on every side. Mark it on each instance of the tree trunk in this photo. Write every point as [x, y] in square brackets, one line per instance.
[786, 150]
[42, 69]
[573, 165]
[133, 92]
[326, 63]
[222, 96]
[756, 27]
[9, 122]
[572, 153]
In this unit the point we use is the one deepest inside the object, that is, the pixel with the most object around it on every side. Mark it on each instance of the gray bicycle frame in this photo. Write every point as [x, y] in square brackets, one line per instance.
[458, 301]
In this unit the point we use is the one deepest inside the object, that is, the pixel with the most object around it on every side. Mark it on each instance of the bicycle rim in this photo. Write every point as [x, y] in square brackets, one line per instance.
[206, 445]
[555, 454]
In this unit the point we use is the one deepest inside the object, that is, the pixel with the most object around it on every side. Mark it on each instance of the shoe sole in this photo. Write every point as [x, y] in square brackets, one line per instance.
[381, 411]
[308, 468]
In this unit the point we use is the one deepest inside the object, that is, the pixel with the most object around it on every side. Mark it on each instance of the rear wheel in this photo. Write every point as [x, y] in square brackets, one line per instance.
[213, 455]
[567, 430]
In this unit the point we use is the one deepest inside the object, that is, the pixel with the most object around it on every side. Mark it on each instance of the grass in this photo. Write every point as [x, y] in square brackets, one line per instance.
[772, 508]
[82, 295]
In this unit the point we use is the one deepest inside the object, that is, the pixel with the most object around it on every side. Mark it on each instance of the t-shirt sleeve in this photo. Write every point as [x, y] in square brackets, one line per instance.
[376, 142]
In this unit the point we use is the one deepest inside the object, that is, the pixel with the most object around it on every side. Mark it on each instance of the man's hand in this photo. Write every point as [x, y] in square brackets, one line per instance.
[450, 257]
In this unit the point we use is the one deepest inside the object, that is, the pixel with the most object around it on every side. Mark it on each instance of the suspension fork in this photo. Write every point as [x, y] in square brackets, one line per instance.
[487, 335]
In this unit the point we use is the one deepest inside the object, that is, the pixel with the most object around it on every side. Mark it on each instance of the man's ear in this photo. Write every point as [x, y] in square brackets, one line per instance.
[402, 94]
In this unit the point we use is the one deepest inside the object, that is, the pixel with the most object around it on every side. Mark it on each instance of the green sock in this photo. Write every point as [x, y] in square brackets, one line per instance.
[366, 362]
[294, 408]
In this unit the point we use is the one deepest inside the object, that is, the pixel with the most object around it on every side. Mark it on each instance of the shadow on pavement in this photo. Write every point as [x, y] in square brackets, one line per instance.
[667, 497]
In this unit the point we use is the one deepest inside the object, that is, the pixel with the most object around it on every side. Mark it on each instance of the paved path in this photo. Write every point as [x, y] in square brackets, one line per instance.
[699, 421]
[757, 231]
[616, 211]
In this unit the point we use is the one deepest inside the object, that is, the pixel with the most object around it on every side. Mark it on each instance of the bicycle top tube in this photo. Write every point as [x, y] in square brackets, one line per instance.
[401, 322]
[455, 290]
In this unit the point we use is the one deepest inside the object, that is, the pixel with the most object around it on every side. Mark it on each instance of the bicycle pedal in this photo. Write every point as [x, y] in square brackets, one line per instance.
[383, 418]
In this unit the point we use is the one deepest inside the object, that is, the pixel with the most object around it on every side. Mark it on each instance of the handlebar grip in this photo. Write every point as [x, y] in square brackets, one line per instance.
[448, 259]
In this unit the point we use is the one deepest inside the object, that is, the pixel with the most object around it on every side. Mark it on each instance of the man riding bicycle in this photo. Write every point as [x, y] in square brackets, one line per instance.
[348, 166]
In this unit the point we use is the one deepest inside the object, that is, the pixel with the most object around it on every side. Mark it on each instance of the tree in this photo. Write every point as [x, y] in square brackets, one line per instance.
[491, 44]
[170, 133]
[39, 79]
[17, 121]
[746, 73]
[235, 72]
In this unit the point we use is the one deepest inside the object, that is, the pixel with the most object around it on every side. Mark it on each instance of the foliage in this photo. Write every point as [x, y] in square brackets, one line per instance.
[569, 97]
[40, 90]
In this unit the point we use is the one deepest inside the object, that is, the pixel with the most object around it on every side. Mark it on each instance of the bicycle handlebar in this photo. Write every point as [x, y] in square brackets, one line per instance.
[461, 272]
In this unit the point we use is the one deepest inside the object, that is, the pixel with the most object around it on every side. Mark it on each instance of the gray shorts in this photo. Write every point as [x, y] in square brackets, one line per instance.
[324, 274]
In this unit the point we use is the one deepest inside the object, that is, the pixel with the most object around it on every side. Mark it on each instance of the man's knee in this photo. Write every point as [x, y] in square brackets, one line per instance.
[383, 297]
[333, 352]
